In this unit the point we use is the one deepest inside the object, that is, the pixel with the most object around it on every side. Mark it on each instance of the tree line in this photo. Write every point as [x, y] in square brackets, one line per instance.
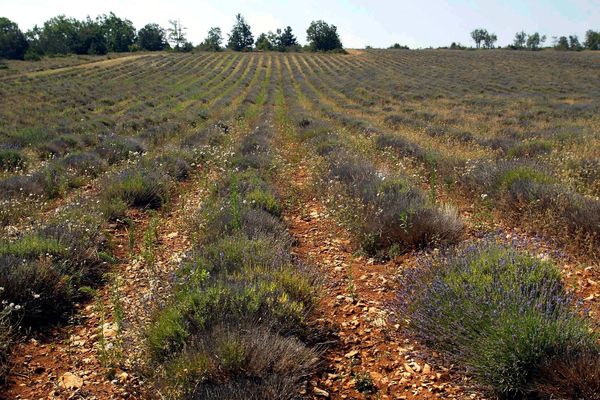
[108, 33]
[524, 41]
[534, 41]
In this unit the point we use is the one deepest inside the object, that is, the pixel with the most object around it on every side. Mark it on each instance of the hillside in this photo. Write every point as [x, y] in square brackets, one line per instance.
[229, 225]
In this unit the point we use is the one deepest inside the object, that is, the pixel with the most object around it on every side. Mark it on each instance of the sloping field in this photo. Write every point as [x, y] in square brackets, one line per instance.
[382, 224]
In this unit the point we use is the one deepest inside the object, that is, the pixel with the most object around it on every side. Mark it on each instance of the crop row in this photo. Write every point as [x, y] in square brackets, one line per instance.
[236, 322]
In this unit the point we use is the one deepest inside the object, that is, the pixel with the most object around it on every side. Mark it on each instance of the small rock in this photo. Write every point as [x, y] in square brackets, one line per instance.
[70, 381]
[351, 354]
[320, 392]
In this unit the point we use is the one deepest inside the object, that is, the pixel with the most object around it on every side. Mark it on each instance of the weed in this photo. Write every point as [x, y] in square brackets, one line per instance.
[364, 383]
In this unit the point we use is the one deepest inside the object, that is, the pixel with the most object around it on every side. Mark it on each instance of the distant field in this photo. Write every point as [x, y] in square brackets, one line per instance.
[397, 153]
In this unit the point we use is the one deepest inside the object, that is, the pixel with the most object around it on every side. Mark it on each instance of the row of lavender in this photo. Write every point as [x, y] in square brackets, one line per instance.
[236, 325]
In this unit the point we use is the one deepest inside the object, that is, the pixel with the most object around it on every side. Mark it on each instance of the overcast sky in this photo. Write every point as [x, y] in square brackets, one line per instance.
[371, 22]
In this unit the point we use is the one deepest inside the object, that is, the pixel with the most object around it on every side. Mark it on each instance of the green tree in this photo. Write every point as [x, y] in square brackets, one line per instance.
[13, 43]
[592, 40]
[58, 35]
[89, 38]
[34, 51]
[119, 33]
[534, 41]
[177, 36]
[489, 40]
[286, 39]
[479, 36]
[264, 43]
[152, 38]
[562, 43]
[574, 43]
[240, 38]
[457, 46]
[323, 37]
[213, 40]
[520, 40]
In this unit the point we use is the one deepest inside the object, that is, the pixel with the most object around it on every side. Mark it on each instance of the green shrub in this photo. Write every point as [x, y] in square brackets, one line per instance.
[232, 253]
[529, 149]
[54, 180]
[29, 136]
[113, 209]
[521, 173]
[32, 246]
[40, 294]
[265, 201]
[498, 312]
[508, 353]
[11, 160]
[252, 295]
[140, 188]
[42, 272]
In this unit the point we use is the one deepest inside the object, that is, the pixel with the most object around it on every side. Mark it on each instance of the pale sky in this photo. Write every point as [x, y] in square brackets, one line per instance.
[376, 22]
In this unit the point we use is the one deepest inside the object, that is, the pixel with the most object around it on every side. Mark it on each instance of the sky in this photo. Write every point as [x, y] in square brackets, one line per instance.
[377, 23]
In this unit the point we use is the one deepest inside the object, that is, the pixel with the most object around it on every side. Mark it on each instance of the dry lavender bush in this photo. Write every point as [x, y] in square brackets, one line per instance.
[393, 215]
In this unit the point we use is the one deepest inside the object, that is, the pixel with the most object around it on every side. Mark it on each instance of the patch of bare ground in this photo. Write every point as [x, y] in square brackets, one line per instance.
[99, 353]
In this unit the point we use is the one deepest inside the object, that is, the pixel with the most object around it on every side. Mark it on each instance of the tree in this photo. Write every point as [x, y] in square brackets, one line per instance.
[323, 37]
[520, 40]
[479, 36]
[213, 40]
[58, 35]
[264, 43]
[152, 38]
[457, 46]
[13, 43]
[119, 33]
[592, 40]
[574, 43]
[62, 35]
[398, 46]
[534, 41]
[88, 38]
[286, 39]
[562, 43]
[240, 38]
[489, 40]
[177, 36]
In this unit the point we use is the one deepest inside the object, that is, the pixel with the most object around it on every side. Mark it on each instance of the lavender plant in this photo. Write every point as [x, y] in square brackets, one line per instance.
[498, 312]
